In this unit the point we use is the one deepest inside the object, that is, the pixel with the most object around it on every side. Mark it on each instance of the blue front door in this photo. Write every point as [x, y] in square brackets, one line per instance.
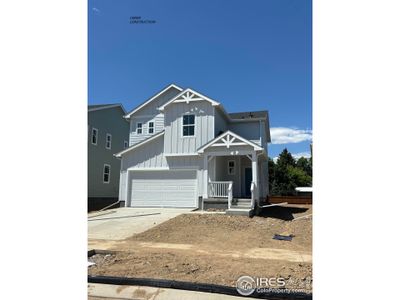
[248, 177]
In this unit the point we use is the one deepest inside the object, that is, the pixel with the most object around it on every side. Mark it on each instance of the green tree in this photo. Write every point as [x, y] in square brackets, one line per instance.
[305, 165]
[287, 174]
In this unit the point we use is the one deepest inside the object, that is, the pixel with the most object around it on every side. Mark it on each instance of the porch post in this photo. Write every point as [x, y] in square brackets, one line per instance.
[205, 178]
[254, 170]
[127, 200]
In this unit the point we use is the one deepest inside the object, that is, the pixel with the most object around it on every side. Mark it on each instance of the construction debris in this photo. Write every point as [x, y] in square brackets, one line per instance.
[283, 237]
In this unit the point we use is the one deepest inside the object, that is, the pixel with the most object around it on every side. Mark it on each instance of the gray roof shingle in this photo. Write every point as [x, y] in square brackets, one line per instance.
[249, 115]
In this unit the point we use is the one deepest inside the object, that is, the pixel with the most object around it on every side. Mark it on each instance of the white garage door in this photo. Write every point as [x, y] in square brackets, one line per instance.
[164, 189]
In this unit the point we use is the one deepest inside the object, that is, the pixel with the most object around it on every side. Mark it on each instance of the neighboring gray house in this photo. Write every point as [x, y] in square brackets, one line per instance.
[185, 150]
[108, 133]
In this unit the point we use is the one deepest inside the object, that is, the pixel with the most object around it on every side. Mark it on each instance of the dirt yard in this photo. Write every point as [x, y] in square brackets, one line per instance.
[216, 248]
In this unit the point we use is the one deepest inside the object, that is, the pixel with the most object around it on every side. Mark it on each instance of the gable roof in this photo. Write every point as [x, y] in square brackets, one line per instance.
[152, 98]
[187, 96]
[227, 141]
[105, 106]
[153, 137]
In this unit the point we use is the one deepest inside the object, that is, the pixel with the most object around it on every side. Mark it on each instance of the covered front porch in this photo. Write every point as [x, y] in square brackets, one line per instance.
[234, 172]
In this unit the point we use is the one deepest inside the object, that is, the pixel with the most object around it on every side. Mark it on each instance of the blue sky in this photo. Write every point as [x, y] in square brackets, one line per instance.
[248, 55]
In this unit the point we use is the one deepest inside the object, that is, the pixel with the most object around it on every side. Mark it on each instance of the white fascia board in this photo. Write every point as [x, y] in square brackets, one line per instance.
[127, 116]
[119, 154]
[213, 102]
[180, 154]
[210, 144]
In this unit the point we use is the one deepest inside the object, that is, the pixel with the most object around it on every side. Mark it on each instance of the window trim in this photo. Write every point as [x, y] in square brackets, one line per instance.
[234, 167]
[97, 136]
[109, 173]
[148, 127]
[109, 135]
[194, 125]
[141, 128]
[126, 144]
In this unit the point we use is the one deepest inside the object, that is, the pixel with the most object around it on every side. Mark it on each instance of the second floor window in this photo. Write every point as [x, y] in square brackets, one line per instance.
[94, 136]
[108, 141]
[125, 144]
[139, 128]
[188, 125]
[151, 127]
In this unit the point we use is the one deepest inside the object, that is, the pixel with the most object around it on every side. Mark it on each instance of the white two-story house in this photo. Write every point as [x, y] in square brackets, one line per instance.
[186, 150]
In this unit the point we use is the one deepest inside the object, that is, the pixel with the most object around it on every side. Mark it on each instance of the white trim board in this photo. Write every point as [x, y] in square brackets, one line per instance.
[225, 142]
[140, 144]
[187, 98]
[151, 99]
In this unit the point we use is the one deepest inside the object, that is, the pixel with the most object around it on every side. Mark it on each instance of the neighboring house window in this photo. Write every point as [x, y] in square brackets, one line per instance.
[125, 144]
[139, 128]
[108, 141]
[94, 136]
[231, 167]
[151, 127]
[106, 173]
[188, 125]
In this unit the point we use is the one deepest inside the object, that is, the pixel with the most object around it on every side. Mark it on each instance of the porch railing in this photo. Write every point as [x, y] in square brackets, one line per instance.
[220, 189]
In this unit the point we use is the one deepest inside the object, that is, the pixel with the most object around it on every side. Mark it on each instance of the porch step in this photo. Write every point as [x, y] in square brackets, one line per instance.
[240, 212]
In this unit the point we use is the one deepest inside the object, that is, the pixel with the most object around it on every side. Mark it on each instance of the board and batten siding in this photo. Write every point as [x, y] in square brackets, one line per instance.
[204, 126]
[150, 156]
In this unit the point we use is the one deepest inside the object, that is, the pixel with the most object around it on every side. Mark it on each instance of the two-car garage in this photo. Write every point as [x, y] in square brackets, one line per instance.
[164, 188]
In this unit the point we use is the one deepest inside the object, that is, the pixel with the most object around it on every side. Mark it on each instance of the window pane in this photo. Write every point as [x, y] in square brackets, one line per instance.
[185, 120]
[191, 119]
[106, 178]
[106, 169]
[191, 130]
[185, 131]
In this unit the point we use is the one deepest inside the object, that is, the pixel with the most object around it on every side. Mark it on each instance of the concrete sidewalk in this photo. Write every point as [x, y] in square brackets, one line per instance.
[108, 291]
[120, 223]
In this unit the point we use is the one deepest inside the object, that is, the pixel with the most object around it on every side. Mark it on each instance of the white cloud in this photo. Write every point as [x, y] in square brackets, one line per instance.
[301, 154]
[286, 135]
[296, 156]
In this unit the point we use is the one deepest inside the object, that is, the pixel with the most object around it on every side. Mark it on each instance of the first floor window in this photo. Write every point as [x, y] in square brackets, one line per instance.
[151, 127]
[231, 167]
[139, 128]
[108, 141]
[188, 125]
[94, 136]
[106, 173]
[125, 144]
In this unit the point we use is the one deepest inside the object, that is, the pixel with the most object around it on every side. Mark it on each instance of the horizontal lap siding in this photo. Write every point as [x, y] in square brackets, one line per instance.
[247, 130]
[150, 113]
[135, 138]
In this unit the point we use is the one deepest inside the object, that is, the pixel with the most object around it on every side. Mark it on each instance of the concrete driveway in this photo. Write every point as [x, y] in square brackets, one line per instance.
[120, 223]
